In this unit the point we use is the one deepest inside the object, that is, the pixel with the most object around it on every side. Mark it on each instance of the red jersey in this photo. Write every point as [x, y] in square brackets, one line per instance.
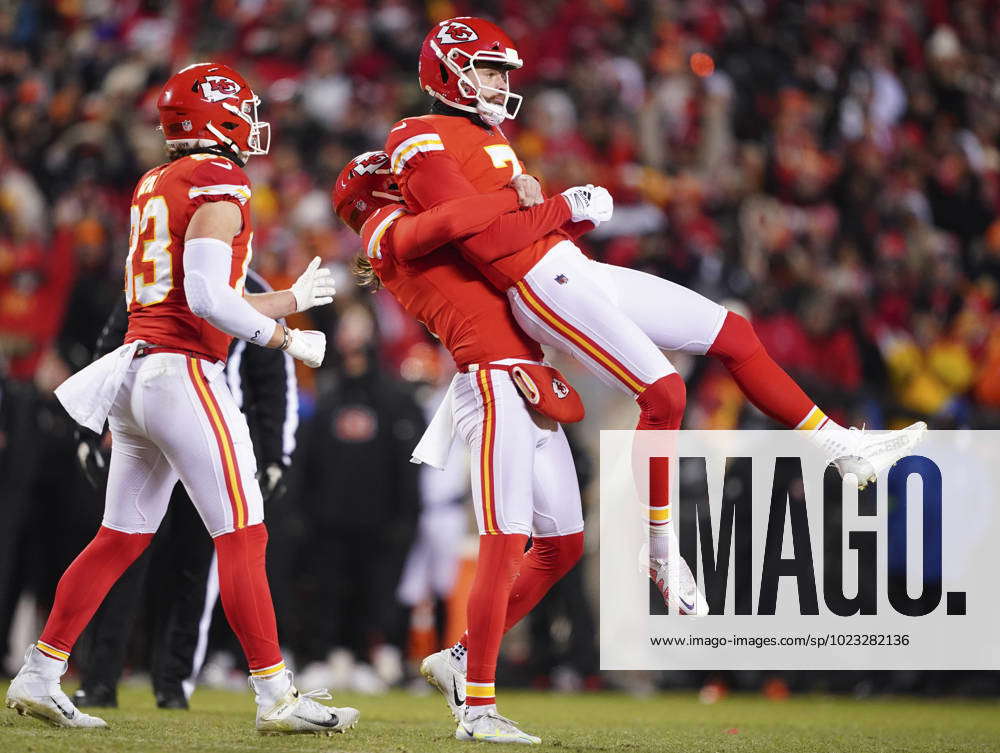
[162, 205]
[441, 157]
[444, 291]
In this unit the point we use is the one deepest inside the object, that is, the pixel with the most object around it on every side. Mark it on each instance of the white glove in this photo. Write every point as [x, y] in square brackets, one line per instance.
[589, 202]
[314, 287]
[306, 345]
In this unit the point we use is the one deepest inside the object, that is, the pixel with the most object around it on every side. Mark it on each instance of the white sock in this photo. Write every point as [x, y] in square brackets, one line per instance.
[45, 666]
[474, 712]
[461, 656]
[272, 688]
[659, 543]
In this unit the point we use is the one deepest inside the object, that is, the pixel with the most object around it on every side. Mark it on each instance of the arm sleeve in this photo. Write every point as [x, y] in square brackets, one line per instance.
[575, 229]
[207, 263]
[271, 398]
[419, 234]
[513, 231]
[436, 179]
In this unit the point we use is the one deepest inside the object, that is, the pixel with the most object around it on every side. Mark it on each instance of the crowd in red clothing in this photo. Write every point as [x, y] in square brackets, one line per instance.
[831, 167]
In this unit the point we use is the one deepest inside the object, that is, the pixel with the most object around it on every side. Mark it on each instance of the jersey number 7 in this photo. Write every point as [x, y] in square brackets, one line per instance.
[503, 156]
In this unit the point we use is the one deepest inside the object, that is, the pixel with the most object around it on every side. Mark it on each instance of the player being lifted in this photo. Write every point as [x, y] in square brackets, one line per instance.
[523, 476]
[615, 320]
[170, 411]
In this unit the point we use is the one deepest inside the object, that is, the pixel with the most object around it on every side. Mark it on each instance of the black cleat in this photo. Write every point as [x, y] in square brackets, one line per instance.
[174, 701]
[97, 697]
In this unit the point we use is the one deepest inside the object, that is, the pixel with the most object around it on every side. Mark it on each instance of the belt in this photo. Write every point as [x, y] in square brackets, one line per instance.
[148, 350]
[505, 364]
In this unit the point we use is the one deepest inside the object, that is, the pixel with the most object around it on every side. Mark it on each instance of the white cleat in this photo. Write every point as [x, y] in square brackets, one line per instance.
[444, 673]
[690, 599]
[298, 713]
[32, 693]
[866, 454]
[492, 728]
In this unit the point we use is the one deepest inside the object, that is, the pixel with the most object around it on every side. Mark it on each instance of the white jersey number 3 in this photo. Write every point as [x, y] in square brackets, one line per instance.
[503, 156]
[149, 274]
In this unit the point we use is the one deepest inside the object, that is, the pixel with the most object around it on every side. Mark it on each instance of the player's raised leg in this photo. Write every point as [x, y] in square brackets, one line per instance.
[677, 318]
[568, 302]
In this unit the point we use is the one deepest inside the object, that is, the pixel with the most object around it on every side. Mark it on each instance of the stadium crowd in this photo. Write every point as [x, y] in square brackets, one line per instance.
[831, 168]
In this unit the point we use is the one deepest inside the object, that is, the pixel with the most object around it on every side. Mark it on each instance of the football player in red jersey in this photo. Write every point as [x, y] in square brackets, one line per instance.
[165, 397]
[615, 320]
[523, 477]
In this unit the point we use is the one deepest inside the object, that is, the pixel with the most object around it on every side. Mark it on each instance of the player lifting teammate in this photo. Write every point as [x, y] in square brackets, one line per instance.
[523, 477]
[170, 411]
[615, 320]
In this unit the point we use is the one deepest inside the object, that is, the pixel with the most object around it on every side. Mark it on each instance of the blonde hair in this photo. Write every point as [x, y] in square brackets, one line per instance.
[363, 272]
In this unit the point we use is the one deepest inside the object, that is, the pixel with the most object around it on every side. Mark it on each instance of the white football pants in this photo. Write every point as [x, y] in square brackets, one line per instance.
[174, 418]
[523, 475]
[613, 320]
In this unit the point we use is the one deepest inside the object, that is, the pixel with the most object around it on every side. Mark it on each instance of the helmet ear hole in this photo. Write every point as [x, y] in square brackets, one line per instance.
[444, 72]
[229, 125]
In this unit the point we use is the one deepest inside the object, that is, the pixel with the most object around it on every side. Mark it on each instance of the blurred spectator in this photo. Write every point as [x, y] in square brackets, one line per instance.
[359, 495]
[834, 167]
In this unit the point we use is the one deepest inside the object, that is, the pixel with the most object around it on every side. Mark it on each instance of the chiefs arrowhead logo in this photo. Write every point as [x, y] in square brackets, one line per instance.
[453, 32]
[368, 163]
[560, 389]
[217, 88]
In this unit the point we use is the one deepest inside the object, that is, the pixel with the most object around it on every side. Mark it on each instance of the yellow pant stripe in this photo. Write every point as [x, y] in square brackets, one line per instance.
[486, 455]
[228, 461]
[577, 339]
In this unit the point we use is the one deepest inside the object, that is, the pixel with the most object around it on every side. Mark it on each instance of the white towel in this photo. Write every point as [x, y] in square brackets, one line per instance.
[89, 394]
[435, 445]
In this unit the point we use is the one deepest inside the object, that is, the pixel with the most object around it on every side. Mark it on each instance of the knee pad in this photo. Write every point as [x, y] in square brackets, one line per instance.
[736, 343]
[662, 403]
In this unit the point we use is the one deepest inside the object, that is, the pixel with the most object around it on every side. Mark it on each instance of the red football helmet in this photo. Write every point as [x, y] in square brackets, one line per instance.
[211, 105]
[364, 185]
[448, 58]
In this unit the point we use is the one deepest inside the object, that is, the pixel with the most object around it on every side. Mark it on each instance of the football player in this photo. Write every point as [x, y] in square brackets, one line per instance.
[616, 321]
[165, 396]
[504, 402]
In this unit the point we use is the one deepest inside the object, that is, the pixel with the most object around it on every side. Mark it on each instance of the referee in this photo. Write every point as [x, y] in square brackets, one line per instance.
[178, 570]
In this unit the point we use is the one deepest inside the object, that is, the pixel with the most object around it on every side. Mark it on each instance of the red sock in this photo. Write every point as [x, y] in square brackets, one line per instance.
[765, 384]
[86, 582]
[548, 560]
[246, 597]
[500, 557]
[661, 407]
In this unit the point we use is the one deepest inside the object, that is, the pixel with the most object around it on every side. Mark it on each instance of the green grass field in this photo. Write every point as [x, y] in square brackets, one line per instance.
[222, 722]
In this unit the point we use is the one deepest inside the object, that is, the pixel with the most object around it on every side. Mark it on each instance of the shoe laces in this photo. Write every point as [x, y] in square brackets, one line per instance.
[311, 699]
[496, 716]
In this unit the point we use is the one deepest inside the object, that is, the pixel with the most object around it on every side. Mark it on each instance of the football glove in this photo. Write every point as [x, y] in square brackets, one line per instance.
[272, 482]
[589, 202]
[314, 287]
[90, 456]
[306, 345]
